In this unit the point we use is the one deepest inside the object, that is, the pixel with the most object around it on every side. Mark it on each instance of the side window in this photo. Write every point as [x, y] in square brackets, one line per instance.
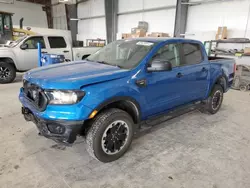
[169, 52]
[32, 42]
[6, 22]
[57, 42]
[192, 54]
[1, 23]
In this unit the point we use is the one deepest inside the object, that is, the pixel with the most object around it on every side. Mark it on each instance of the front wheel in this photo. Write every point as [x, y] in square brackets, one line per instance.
[110, 135]
[7, 73]
[215, 99]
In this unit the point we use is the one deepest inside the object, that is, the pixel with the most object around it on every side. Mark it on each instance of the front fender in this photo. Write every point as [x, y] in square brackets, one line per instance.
[8, 54]
[101, 94]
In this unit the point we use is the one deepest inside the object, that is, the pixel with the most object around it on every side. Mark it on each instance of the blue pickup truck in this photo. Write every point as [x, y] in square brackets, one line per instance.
[121, 86]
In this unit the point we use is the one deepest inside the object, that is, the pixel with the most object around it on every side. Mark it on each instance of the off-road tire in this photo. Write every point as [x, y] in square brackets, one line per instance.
[12, 72]
[209, 105]
[97, 129]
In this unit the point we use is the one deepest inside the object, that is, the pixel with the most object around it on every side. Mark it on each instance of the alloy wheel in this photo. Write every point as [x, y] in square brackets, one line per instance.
[216, 100]
[115, 137]
[4, 73]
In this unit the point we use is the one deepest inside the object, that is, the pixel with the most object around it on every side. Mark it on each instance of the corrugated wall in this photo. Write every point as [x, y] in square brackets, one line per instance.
[32, 13]
[159, 20]
[91, 28]
[203, 20]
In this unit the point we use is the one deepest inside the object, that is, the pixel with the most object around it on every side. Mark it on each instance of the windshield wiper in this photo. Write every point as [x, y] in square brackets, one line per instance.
[105, 63]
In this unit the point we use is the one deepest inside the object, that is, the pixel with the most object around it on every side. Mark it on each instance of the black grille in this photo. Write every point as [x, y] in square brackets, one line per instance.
[35, 94]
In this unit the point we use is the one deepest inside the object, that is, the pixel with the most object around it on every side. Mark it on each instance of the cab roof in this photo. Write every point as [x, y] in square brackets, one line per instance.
[163, 39]
[2, 12]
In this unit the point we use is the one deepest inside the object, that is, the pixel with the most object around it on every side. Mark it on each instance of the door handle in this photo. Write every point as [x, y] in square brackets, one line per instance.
[44, 52]
[141, 82]
[204, 69]
[179, 75]
[65, 51]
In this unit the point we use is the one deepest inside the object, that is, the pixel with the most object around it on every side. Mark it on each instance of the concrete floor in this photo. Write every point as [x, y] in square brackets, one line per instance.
[193, 150]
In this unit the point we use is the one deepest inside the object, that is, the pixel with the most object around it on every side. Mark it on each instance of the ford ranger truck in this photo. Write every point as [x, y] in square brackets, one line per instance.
[121, 86]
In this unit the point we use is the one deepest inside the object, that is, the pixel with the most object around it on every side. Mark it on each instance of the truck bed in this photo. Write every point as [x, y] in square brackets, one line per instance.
[227, 65]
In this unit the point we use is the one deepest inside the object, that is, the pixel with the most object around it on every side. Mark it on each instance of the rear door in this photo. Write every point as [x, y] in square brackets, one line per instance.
[59, 46]
[193, 72]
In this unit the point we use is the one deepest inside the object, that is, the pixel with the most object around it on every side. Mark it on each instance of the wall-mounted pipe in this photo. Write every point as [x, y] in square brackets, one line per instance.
[204, 2]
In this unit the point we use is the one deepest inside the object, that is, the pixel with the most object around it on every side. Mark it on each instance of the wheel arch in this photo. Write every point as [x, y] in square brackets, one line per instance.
[222, 81]
[128, 104]
[8, 60]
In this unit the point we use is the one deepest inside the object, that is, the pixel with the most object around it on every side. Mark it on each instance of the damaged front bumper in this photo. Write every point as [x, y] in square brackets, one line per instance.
[62, 131]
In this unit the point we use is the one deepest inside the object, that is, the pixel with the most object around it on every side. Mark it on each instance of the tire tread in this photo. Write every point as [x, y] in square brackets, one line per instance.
[96, 125]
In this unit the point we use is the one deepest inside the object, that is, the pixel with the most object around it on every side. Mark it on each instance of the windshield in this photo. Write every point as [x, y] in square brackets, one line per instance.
[125, 54]
[14, 43]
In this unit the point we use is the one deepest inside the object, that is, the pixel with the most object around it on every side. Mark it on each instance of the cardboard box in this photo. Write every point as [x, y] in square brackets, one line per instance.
[247, 50]
[126, 35]
[221, 33]
[143, 25]
[158, 34]
[138, 33]
[137, 30]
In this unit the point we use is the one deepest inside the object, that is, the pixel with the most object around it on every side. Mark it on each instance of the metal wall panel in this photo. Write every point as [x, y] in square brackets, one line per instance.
[160, 14]
[59, 17]
[88, 27]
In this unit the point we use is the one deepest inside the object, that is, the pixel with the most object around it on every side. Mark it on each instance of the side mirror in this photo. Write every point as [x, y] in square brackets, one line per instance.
[160, 65]
[24, 46]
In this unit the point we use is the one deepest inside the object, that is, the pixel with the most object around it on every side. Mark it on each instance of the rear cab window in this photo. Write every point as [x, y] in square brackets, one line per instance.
[192, 54]
[57, 42]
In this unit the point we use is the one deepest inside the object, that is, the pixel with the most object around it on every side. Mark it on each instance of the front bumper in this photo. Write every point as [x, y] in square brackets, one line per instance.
[62, 131]
[75, 112]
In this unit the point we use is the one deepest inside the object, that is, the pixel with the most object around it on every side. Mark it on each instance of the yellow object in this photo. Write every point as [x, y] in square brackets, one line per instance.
[238, 54]
[92, 115]
[17, 33]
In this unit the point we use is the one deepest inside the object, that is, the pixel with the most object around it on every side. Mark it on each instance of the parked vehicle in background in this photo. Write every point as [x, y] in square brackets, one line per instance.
[22, 55]
[242, 78]
[115, 90]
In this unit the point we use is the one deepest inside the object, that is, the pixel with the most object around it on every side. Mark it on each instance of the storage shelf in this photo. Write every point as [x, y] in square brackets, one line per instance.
[232, 42]
[230, 54]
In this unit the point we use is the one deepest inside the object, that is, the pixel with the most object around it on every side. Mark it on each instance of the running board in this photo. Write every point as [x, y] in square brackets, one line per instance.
[148, 124]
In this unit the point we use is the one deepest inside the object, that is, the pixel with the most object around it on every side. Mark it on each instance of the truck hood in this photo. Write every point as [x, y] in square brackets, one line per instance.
[73, 75]
[3, 48]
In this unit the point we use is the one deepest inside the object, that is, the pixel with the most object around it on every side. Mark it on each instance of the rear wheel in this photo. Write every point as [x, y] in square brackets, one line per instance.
[243, 86]
[215, 99]
[110, 135]
[7, 73]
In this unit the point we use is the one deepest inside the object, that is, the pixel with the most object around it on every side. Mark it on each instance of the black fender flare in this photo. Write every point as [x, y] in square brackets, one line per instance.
[133, 104]
[222, 80]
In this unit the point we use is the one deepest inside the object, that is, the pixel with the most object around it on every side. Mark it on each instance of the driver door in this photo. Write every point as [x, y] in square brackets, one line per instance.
[28, 57]
[164, 89]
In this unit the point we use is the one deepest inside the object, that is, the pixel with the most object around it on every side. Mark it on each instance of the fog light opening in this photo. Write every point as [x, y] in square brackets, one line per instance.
[56, 129]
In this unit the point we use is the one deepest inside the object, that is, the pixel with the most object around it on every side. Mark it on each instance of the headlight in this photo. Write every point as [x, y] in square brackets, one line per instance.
[64, 96]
